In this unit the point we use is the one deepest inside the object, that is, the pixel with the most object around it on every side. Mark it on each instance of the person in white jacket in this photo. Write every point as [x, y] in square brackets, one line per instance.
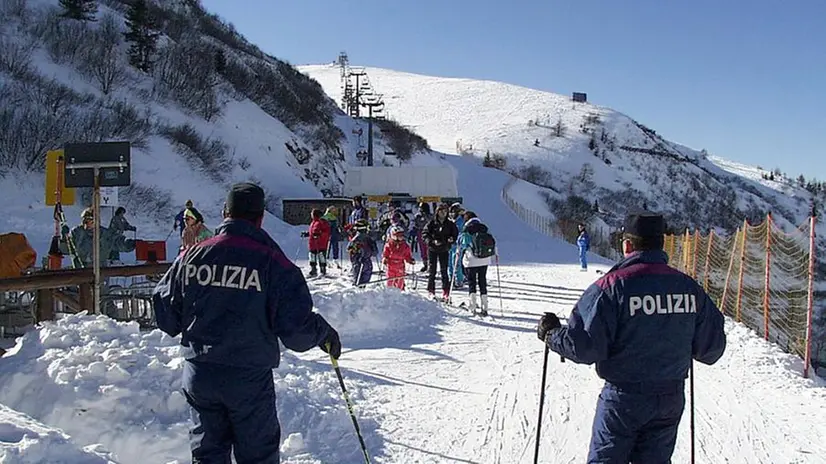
[478, 249]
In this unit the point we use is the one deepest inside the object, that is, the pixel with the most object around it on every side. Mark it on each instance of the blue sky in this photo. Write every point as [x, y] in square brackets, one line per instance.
[744, 79]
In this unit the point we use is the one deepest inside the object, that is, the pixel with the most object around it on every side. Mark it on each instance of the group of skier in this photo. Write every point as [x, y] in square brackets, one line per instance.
[453, 240]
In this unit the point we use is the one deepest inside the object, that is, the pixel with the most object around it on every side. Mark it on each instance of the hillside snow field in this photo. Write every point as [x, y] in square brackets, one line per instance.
[429, 384]
[598, 153]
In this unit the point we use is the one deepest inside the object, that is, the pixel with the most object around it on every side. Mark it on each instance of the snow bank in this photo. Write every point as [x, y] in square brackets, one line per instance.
[377, 317]
[107, 382]
[24, 440]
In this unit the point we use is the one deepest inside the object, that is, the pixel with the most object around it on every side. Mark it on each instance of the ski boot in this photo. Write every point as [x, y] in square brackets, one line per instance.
[313, 271]
[472, 305]
[484, 311]
[323, 267]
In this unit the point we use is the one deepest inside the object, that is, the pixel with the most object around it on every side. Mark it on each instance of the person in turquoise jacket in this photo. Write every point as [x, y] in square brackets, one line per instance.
[456, 211]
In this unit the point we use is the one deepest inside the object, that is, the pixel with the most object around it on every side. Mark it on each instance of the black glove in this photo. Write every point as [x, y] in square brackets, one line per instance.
[64, 230]
[450, 240]
[334, 348]
[305, 234]
[547, 323]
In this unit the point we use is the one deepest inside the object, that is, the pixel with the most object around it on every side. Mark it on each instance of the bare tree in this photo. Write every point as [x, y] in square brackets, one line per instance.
[15, 56]
[559, 128]
[187, 74]
[101, 60]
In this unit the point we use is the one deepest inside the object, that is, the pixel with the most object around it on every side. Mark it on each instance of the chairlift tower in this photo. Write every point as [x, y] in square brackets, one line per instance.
[377, 103]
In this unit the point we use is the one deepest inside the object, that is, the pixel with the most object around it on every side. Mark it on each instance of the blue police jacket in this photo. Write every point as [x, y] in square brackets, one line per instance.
[233, 296]
[642, 322]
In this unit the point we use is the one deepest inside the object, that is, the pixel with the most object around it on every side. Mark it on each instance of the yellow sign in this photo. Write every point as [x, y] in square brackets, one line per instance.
[379, 198]
[429, 199]
[374, 213]
[54, 177]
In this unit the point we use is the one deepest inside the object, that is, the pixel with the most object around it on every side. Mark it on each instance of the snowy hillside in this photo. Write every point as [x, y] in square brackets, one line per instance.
[211, 110]
[583, 149]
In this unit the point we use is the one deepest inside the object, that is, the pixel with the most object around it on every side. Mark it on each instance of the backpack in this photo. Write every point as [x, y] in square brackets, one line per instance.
[482, 244]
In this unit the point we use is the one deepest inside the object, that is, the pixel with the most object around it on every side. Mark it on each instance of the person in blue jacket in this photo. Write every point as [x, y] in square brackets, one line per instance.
[642, 323]
[583, 241]
[454, 265]
[232, 297]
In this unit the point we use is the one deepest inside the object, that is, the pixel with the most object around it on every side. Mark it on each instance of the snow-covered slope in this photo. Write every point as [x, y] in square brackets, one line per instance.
[428, 385]
[599, 154]
[195, 127]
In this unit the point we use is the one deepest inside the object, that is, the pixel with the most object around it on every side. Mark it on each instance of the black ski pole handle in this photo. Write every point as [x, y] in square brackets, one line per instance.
[561, 358]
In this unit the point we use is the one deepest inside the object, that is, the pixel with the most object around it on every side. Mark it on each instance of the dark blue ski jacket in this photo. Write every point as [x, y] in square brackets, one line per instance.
[642, 322]
[233, 296]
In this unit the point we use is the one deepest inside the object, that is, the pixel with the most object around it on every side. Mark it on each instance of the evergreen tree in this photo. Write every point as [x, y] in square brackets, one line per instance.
[487, 161]
[81, 10]
[142, 35]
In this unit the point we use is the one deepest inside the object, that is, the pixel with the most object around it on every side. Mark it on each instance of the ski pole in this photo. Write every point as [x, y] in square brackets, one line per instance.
[691, 397]
[349, 406]
[499, 284]
[541, 402]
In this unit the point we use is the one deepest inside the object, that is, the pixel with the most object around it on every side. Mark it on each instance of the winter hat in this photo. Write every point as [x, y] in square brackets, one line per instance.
[188, 213]
[645, 225]
[87, 214]
[245, 200]
[188, 204]
[315, 213]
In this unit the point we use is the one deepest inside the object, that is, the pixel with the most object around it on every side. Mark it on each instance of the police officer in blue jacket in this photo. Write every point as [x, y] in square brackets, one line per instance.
[642, 323]
[232, 298]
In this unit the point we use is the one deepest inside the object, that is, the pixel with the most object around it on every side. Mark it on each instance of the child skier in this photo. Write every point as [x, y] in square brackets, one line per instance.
[396, 253]
[362, 248]
[319, 240]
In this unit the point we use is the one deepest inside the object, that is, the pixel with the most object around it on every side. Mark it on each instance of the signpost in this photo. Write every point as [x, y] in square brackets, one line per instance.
[97, 165]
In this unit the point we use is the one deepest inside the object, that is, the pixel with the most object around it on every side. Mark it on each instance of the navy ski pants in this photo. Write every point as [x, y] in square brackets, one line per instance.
[583, 257]
[233, 410]
[361, 272]
[637, 423]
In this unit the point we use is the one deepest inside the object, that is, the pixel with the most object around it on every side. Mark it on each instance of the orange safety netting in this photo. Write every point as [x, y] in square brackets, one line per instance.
[774, 299]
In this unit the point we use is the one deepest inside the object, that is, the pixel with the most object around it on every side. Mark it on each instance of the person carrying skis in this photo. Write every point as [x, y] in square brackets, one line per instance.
[419, 222]
[362, 249]
[233, 298]
[440, 233]
[331, 216]
[396, 253]
[180, 220]
[454, 263]
[195, 230]
[359, 211]
[477, 249]
[583, 241]
[642, 323]
[118, 225]
[319, 235]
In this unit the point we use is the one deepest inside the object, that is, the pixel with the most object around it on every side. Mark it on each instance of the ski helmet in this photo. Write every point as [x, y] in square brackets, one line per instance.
[396, 232]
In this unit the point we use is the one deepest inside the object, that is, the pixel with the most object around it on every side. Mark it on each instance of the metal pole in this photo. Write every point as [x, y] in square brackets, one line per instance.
[96, 241]
[370, 135]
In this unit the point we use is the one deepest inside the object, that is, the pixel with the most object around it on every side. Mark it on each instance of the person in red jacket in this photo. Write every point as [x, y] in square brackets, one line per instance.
[319, 240]
[396, 253]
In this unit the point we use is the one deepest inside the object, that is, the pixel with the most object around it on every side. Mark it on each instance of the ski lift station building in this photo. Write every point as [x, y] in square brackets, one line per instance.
[378, 185]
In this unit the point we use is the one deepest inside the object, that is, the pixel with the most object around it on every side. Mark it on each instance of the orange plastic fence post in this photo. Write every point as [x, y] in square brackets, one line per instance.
[694, 254]
[807, 358]
[707, 268]
[730, 268]
[742, 268]
[767, 283]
